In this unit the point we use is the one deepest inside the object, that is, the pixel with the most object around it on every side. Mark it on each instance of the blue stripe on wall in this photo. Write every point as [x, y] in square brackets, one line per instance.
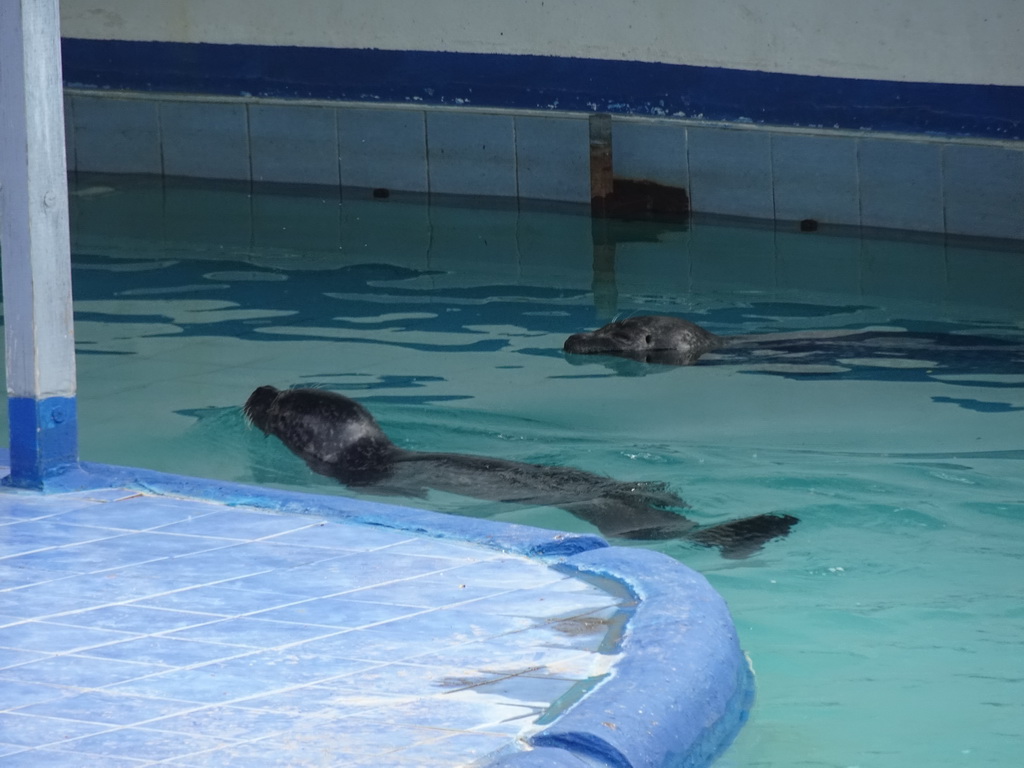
[543, 82]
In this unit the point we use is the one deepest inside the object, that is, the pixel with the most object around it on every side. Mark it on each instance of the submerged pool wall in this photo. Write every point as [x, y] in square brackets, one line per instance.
[874, 114]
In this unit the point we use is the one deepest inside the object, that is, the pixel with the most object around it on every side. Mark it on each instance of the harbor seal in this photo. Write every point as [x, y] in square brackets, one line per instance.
[648, 339]
[675, 341]
[337, 437]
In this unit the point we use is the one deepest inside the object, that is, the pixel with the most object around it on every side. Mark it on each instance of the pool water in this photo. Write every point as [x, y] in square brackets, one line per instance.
[887, 629]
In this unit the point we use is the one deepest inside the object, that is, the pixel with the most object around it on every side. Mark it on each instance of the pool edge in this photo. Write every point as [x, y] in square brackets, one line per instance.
[681, 628]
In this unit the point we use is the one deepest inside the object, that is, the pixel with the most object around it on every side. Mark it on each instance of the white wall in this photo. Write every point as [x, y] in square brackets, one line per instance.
[942, 41]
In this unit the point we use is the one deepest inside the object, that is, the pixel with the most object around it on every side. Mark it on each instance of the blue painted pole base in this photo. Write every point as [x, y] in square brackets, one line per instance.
[44, 441]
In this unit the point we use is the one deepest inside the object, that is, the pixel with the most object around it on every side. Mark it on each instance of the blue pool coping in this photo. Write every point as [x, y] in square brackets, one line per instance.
[679, 631]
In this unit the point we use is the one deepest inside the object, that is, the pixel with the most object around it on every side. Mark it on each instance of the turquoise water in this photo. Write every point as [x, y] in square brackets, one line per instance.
[887, 630]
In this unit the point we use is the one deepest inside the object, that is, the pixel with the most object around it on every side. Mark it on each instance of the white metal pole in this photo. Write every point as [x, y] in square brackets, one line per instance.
[35, 245]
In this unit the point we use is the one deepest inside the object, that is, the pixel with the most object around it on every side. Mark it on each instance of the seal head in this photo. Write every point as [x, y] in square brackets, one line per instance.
[333, 434]
[648, 339]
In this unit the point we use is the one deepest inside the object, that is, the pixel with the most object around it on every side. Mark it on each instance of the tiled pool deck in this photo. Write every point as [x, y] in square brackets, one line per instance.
[158, 620]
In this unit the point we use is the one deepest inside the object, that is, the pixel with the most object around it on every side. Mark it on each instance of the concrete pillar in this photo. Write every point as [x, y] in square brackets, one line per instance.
[35, 246]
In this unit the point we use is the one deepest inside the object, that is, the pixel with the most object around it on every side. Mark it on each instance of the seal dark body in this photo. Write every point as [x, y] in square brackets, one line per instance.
[337, 437]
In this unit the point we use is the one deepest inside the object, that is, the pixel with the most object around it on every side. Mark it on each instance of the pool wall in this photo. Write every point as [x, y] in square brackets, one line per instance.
[870, 114]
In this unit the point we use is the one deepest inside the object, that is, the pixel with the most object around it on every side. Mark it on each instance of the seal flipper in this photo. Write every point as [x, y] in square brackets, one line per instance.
[742, 538]
[617, 519]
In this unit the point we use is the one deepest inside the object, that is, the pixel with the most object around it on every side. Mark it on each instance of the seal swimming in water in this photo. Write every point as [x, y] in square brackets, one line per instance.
[337, 437]
[675, 341]
[649, 339]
